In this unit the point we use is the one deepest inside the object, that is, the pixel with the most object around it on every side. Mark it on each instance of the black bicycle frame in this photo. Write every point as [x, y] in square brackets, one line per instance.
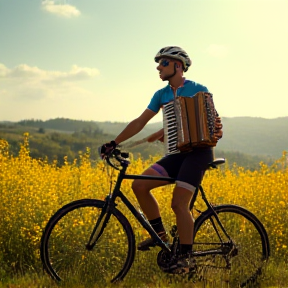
[110, 204]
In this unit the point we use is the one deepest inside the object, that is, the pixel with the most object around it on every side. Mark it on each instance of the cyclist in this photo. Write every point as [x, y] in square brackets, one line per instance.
[187, 168]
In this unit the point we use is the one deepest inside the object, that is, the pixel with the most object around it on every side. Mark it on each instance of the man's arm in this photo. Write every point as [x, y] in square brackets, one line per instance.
[135, 126]
[159, 135]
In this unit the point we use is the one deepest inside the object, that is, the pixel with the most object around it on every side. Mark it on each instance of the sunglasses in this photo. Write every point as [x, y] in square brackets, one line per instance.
[164, 62]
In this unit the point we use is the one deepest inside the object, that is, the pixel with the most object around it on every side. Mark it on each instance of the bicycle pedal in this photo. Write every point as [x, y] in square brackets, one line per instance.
[143, 248]
[146, 248]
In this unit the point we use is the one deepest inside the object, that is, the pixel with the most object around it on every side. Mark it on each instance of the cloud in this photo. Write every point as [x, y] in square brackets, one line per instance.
[217, 50]
[3, 70]
[32, 83]
[24, 71]
[62, 10]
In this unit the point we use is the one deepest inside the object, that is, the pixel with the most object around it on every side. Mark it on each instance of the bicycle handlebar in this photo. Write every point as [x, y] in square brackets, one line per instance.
[121, 157]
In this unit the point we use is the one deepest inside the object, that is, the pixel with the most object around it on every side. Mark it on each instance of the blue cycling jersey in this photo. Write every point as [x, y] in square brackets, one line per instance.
[164, 98]
[165, 95]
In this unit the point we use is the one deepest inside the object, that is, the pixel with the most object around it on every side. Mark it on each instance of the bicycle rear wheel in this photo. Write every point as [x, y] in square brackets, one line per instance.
[243, 259]
[63, 244]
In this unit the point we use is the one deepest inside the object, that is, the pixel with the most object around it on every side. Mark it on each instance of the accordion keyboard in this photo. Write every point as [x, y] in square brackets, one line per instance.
[170, 128]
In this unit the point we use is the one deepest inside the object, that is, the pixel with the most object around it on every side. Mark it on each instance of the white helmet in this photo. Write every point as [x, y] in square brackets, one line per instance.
[174, 52]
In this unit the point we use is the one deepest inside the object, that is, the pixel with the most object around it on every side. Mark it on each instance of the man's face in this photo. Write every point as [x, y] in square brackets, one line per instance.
[166, 67]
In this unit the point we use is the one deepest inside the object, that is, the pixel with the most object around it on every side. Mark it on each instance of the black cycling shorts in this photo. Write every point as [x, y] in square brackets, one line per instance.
[188, 167]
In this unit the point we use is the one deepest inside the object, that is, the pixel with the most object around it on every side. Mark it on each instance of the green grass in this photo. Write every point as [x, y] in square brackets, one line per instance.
[275, 276]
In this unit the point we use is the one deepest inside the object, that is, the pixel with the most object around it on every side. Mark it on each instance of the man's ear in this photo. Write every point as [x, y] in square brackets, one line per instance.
[178, 65]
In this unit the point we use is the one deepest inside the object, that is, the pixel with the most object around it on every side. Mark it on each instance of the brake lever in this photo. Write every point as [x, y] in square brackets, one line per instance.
[112, 165]
[114, 153]
[125, 155]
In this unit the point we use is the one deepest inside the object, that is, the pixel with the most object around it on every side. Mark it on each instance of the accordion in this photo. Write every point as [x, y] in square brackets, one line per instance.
[195, 118]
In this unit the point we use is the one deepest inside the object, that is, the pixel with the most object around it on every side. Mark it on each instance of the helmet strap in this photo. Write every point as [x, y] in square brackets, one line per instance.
[175, 64]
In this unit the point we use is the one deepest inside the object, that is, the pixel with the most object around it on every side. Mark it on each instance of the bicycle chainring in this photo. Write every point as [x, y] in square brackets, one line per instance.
[164, 259]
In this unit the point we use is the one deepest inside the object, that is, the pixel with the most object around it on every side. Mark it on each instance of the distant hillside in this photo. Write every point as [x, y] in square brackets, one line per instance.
[249, 135]
[64, 125]
[255, 136]
[246, 140]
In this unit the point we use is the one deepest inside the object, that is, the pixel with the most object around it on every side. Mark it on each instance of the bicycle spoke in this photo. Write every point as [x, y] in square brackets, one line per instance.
[243, 261]
[66, 256]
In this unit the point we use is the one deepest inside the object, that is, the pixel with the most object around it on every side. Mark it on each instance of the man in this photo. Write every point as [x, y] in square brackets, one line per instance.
[187, 168]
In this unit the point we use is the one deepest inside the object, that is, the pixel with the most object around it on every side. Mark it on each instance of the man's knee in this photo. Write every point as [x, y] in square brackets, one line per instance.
[178, 206]
[135, 186]
[181, 198]
[144, 186]
[139, 187]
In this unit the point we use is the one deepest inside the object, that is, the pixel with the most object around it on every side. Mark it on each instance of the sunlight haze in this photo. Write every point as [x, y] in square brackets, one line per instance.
[94, 60]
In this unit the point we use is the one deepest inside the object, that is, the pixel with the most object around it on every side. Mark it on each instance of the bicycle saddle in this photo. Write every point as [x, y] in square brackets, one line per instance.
[216, 162]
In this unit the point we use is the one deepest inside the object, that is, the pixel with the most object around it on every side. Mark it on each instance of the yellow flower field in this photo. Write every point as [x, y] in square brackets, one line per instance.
[31, 191]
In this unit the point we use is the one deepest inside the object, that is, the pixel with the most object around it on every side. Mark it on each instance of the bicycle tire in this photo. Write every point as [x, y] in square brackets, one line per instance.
[250, 237]
[63, 244]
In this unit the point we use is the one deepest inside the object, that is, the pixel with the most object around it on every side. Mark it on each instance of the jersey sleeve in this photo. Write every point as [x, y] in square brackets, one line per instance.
[201, 88]
[205, 89]
[155, 103]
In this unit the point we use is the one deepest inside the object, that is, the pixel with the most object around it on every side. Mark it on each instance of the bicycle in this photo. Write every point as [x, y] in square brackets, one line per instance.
[93, 239]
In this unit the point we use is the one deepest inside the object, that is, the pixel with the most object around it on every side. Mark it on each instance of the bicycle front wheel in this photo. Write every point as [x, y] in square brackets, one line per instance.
[241, 259]
[63, 244]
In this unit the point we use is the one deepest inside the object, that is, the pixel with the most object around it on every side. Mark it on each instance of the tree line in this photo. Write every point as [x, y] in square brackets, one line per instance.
[70, 138]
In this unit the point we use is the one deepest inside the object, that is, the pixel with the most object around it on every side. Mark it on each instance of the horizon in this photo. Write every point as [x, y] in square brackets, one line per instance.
[32, 119]
[68, 59]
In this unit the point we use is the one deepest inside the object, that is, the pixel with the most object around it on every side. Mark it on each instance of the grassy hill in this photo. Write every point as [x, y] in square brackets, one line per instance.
[255, 136]
[248, 135]
[246, 140]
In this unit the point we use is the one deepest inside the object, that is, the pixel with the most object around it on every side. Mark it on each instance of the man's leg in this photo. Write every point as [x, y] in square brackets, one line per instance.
[142, 188]
[149, 205]
[185, 226]
[185, 222]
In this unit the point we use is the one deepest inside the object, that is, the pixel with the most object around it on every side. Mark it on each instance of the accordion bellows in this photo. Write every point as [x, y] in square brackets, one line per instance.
[195, 117]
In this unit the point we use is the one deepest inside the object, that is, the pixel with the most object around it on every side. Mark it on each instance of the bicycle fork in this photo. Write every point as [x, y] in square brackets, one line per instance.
[100, 225]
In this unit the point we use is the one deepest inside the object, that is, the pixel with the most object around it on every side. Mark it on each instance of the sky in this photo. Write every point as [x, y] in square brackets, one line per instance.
[94, 59]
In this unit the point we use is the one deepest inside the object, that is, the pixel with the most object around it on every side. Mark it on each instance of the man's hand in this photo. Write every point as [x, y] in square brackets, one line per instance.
[107, 148]
[218, 128]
